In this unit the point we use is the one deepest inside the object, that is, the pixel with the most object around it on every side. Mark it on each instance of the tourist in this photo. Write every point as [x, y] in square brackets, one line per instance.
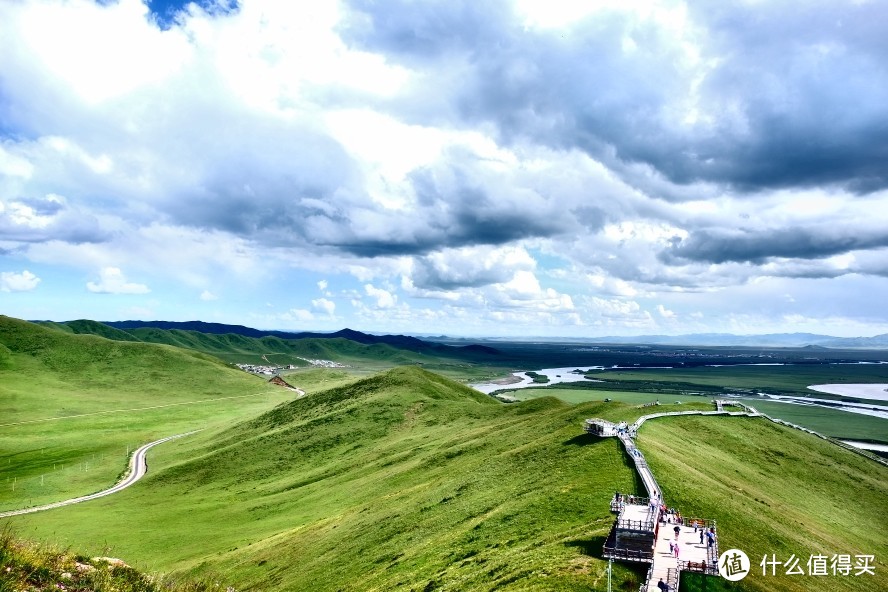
[663, 585]
[677, 530]
[675, 549]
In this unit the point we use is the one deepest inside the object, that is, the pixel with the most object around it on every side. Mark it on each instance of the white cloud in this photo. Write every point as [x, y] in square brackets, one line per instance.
[365, 144]
[114, 282]
[208, 296]
[383, 298]
[11, 281]
[665, 312]
[325, 306]
[295, 314]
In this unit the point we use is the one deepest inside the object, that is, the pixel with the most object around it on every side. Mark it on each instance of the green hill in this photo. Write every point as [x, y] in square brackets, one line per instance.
[406, 480]
[237, 348]
[71, 406]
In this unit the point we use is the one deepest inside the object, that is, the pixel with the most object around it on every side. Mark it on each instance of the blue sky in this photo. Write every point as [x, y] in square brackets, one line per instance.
[470, 168]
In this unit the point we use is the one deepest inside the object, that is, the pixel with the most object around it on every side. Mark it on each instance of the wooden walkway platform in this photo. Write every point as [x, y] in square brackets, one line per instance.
[644, 533]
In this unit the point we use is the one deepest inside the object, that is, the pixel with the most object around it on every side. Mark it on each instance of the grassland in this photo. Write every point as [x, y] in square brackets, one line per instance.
[398, 480]
[792, 379]
[72, 406]
[638, 388]
[774, 491]
[25, 565]
[406, 480]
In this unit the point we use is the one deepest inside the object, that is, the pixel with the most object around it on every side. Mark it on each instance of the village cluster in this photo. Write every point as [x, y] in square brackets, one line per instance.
[274, 370]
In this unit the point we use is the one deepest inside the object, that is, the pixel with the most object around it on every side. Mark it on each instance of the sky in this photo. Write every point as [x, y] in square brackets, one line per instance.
[503, 168]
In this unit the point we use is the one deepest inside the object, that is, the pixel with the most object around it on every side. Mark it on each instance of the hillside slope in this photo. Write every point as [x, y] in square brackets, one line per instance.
[72, 406]
[402, 480]
[409, 481]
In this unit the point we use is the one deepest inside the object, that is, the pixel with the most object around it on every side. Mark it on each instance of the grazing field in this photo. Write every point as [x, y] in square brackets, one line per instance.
[584, 395]
[830, 422]
[791, 379]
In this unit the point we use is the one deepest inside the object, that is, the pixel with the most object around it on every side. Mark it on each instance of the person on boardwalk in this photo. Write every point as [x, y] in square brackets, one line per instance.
[663, 585]
[675, 550]
[701, 536]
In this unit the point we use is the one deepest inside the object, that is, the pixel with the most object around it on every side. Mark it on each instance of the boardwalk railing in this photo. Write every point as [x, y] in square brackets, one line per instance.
[709, 568]
[703, 523]
[672, 578]
[628, 554]
[640, 525]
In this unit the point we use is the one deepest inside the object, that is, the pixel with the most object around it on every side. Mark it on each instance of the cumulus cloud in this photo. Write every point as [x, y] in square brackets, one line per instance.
[48, 218]
[469, 267]
[733, 95]
[665, 312]
[323, 305]
[112, 281]
[527, 162]
[208, 296]
[24, 281]
[383, 299]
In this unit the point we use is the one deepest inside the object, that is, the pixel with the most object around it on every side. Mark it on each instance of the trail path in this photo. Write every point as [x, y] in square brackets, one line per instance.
[138, 466]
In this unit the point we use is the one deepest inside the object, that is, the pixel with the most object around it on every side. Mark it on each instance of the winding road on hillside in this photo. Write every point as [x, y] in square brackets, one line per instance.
[138, 466]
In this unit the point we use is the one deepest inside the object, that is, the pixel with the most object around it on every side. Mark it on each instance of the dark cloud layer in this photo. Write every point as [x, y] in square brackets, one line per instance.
[758, 246]
[786, 94]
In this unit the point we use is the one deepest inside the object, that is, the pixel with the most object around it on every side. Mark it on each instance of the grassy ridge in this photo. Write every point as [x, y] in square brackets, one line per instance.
[403, 480]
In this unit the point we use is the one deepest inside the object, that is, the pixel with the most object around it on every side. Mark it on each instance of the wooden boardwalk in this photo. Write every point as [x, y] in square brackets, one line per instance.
[692, 554]
[642, 532]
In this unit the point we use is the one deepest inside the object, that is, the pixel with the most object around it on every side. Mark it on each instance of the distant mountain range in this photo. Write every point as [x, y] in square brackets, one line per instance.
[789, 340]
[399, 341]
[793, 340]
[766, 340]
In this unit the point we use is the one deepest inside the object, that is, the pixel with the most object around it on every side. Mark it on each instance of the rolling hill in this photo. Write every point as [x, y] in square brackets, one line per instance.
[238, 344]
[401, 480]
[406, 480]
[72, 405]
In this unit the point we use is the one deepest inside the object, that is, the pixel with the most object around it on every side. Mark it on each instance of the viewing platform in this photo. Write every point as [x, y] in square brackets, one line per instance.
[646, 530]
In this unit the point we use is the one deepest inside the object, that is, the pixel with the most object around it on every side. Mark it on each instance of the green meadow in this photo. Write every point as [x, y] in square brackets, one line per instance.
[671, 386]
[774, 491]
[397, 479]
[72, 406]
[790, 379]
